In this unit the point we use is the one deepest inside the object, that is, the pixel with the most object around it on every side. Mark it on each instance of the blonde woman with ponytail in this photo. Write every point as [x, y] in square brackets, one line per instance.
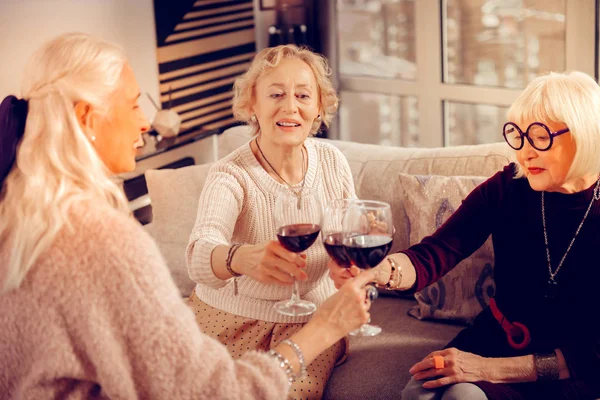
[60, 158]
[87, 305]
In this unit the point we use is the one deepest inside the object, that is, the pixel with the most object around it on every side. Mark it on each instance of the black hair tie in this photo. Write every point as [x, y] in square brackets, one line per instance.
[13, 114]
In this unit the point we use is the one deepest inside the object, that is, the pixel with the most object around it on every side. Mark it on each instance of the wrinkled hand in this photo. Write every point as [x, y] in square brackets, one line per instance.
[270, 263]
[348, 308]
[459, 366]
[340, 275]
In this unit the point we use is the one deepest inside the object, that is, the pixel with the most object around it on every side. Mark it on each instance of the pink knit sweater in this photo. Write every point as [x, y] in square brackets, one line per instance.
[99, 316]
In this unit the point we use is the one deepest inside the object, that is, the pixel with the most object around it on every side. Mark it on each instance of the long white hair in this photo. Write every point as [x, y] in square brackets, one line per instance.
[56, 164]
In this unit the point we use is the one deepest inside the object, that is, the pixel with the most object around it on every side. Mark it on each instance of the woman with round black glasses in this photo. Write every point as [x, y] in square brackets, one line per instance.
[540, 337]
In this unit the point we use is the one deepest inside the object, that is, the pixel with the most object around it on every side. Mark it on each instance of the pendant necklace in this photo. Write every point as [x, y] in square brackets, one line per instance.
[298, 194]
[552, 285]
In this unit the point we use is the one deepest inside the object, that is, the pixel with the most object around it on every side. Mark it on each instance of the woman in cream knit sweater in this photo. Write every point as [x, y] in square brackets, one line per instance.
[284, 96]
[87, 306]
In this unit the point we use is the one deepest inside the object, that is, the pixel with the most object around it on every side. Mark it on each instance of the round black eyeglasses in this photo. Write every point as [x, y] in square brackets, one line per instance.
[538, 135]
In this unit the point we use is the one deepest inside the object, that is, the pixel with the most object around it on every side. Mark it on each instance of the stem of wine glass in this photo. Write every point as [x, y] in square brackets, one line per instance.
[295, 292]
[295, 289]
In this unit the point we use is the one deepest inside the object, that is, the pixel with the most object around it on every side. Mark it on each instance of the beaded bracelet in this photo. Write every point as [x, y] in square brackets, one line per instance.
[235, 275]
[284, 363]
[300, 356]
[230, 254]
[395, 276]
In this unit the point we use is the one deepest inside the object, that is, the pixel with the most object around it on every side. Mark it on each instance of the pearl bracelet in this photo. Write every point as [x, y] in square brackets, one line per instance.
[284, 363]
[300, 356]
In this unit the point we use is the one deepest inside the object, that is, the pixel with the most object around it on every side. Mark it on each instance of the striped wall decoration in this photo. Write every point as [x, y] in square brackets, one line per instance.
[203, 45]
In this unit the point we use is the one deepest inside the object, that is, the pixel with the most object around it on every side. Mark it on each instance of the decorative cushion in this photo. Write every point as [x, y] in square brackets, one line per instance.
[462, 293]
[174, 195]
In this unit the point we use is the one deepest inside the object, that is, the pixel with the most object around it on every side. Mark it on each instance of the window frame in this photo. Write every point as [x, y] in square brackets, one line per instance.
[581, 54]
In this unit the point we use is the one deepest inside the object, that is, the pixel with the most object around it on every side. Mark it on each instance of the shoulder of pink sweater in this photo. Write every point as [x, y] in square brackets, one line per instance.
[100, 247]
[95, 226]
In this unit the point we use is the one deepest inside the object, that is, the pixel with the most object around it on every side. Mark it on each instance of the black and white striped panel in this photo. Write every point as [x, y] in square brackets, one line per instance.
[200, 58]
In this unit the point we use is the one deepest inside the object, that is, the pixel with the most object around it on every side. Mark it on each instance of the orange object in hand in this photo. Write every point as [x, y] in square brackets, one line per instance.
[438, 362]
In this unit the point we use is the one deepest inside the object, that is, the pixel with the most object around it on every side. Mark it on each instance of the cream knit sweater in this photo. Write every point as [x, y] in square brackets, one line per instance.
[236, 206]
[99, 316]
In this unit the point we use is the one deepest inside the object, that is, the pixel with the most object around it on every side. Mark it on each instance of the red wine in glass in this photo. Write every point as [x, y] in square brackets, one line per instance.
[297, 216]
[367, 251]
[298, 237]
[368, 231]
[333, 237]
[334, 244]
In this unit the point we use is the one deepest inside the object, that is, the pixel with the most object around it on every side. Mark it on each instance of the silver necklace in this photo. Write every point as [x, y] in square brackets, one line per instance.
[304, 169]
[552, 284]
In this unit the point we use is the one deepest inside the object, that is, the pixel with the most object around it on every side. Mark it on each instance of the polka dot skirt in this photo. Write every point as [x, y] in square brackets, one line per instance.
[241, 334]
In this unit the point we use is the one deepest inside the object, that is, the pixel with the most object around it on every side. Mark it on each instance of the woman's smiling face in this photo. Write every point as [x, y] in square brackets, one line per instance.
[286, 102]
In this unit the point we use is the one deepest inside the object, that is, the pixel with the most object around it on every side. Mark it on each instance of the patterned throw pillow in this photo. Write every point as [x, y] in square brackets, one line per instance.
[462, 293]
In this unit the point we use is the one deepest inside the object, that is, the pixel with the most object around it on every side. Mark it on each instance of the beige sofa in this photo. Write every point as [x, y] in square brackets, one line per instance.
[377, 367]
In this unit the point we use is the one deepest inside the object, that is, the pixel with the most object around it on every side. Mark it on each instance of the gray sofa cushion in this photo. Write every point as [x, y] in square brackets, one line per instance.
[175, 194]
[377, 367]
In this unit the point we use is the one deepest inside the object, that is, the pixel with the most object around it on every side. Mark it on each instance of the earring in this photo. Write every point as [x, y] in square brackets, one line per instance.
[93, 138]
[253, 118]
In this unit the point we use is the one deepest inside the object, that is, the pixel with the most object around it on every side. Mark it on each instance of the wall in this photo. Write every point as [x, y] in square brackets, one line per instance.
[26, 24]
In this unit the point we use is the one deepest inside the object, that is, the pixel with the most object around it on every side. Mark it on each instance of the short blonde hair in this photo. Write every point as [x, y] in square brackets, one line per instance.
[56, 165]
[573, 99]
[245, 86]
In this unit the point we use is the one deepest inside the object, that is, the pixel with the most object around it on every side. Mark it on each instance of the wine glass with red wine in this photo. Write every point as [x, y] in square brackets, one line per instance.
[297, 216]
[332, 233]
[368, 231]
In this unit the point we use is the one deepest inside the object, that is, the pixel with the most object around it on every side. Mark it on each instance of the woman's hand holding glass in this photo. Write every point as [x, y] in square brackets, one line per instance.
[270, 263]
[347, 309]
[340, 274]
